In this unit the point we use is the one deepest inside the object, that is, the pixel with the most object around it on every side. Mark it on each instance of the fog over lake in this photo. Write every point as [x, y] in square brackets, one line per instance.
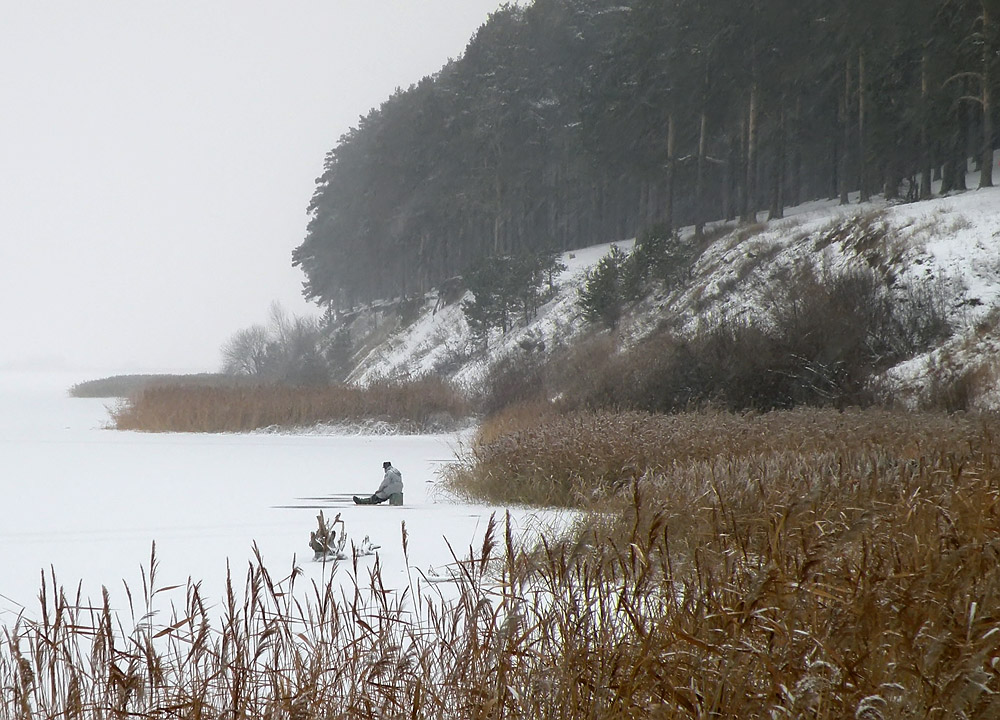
[158, 160]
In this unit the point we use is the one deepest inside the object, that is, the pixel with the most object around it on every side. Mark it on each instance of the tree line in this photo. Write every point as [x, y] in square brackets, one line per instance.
[567, 123]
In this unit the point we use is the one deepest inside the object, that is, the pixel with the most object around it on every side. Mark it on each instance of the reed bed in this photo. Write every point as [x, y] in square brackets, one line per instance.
[428, 403]
[542, 457]
[805, 565]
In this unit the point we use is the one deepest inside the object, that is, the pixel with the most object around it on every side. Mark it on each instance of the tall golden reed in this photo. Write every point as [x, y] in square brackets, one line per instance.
[411, 405]
[802, 564]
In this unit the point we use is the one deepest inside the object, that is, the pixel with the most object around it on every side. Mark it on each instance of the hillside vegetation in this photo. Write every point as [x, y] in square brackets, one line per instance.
[872, 305]
[884, 304]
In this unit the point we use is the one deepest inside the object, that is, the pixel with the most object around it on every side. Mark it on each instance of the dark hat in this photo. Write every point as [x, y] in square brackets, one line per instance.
[386, 464]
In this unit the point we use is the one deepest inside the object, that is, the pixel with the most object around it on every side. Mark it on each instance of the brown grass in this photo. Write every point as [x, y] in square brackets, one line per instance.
[567, 459]
[423, 404]
[795, 564]
[803, 564]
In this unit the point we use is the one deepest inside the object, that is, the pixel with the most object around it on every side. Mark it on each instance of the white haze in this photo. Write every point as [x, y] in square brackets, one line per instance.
[156, 161]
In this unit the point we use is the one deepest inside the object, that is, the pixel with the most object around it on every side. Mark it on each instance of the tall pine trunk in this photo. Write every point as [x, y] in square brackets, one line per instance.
[925, 152]
[699, 180]
[777, 209]
[794, 138]
[986, 163]
[667, 215]
[750, 183]
[740, 172]
[958, 149]
[863, 180]
[845, 147]
[730, 202]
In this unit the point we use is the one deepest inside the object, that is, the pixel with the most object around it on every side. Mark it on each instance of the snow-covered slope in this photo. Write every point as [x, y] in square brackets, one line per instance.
[949, 243]
[439, 341]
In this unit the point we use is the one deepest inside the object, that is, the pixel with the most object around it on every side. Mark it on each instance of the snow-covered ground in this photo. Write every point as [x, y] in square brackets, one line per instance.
[948, 245]
[89, 502]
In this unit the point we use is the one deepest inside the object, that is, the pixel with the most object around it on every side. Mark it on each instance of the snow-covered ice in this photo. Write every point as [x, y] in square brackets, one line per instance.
[89, 502]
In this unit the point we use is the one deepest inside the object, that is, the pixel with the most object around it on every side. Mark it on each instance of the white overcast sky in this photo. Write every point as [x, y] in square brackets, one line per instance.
[157, 158]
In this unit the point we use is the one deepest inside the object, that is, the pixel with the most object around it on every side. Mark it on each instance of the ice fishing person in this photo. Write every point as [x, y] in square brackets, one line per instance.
[391, 488]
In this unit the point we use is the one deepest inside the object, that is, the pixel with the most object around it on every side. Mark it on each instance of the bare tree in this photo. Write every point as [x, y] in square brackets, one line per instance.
[288, 349]
[245, 353]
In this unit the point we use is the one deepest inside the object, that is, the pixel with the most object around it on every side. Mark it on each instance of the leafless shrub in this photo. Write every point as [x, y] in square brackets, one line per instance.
[873, 240]
[958, 223]
[756, 256]
[862, 232]
[455, 356]
[518, 377]
[942, 221]
[745, 232]
[245, 353]
[288, 349]
[953, 386]
[819, 341]
[584, 370]
[957, 377]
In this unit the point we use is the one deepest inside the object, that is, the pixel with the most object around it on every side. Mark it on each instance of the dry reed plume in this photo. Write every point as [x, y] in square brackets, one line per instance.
[797, 564]
[801, 564]
[543, 457]
[412, 406]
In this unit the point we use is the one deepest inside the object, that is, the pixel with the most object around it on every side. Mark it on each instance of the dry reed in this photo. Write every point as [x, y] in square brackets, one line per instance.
[541, 457]
[801, 564]
[412, 406]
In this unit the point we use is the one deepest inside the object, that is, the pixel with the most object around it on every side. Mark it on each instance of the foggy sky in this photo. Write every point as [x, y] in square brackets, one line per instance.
[157, 158]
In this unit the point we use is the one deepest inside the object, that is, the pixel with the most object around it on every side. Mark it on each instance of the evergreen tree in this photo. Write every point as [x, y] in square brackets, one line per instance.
[506, 288]
[602, 297]
[575, 122]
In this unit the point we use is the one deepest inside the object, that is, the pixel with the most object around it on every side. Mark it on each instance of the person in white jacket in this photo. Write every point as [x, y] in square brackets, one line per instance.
[392, 484]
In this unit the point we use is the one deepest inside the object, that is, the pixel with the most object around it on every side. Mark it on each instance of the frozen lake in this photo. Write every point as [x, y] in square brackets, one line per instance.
[89, 501]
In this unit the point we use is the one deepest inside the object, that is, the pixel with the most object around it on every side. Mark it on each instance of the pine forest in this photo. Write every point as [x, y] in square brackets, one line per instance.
[568, 123]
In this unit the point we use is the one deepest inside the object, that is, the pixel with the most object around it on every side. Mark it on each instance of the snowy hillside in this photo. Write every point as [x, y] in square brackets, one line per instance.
[946, 245]
[439, 341]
